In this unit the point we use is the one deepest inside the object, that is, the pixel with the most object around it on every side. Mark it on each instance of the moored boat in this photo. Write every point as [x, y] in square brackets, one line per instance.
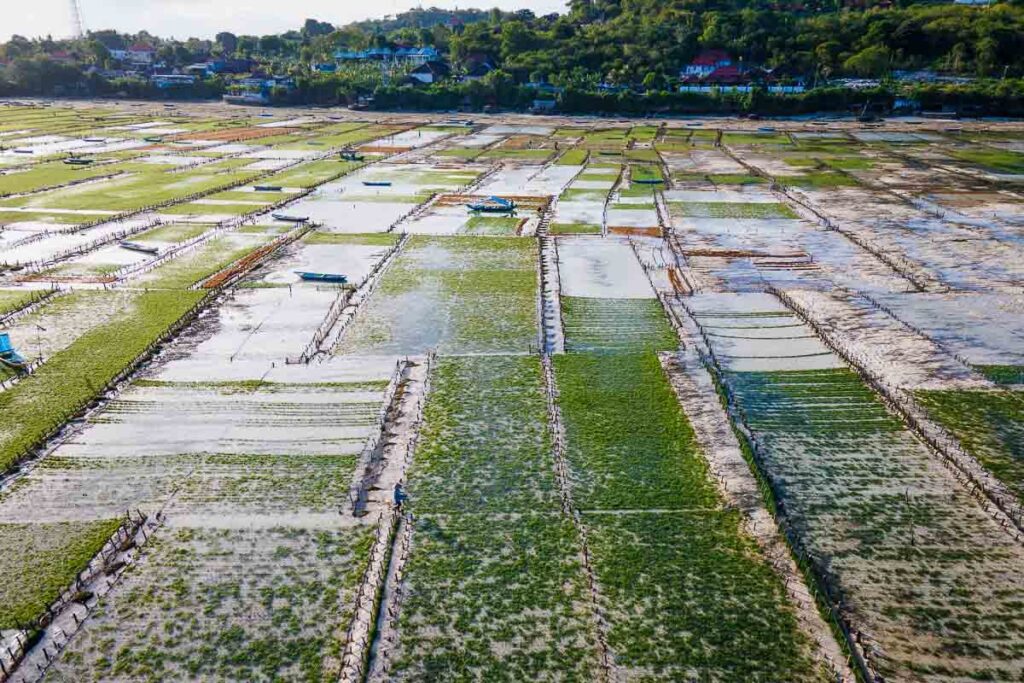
[322, 277]
[288, 218]
[135, 246]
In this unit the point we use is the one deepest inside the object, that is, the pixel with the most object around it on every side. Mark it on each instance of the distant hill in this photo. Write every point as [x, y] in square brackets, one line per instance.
[421, 18]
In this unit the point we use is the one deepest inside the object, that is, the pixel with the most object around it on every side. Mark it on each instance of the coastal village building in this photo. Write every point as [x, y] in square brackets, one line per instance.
[136, 54]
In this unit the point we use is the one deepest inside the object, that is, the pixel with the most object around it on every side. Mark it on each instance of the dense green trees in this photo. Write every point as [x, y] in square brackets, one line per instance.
[639, 44]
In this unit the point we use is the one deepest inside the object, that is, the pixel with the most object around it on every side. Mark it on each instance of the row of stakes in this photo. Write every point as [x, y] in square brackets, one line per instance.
[371, 584]
[377, 431]
[394, 607]
[569, 507]
[126, 531]
[549, 319]
[355, 661]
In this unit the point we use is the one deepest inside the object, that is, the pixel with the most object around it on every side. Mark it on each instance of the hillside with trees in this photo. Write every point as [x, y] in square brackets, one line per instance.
[604, 55]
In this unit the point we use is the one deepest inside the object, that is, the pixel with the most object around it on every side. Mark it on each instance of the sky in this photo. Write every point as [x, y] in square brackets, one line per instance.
[204, 18]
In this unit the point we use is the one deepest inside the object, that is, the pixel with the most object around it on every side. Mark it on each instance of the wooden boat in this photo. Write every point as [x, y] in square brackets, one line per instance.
[135, 246]
[493, 205]
[648, 181]
[74, 161]
[289, 219]
[334, 278]
[9, 356]
[377, 183]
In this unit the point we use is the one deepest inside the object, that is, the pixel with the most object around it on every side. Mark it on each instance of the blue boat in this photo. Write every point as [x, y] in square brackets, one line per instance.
[289, 219]
[377, 183]
[493, 205]
[135, 246]
[322, 277]
[649, 181]
[9, 357]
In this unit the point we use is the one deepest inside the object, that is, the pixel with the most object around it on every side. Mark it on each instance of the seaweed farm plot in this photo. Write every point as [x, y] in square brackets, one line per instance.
[989, 424]
[293, 410]
[96, 351]
[40, 560]
[921, 571]
[862, 330]
[606, 325]
[500, 597]
[982, 330]
[684, 591]
[136, 191]
[755, 332]
[737, 240]
[453, 294]
[225, 604]
[56, 324]
[377, 198]
[227, 449]
[251, 573]
[480, 404]
[608, 303]
[581, 206]
[273, 315]
[453, 218]
[925, 244]
[36, 242]
[493, 588]
[192, 266]
[529, 180]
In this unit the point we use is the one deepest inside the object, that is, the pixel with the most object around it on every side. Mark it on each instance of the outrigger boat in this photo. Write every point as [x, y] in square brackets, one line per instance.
[322, 277]
[493, 205]
[135, 246]
[377, 183]
[9, 356]
[289, 219]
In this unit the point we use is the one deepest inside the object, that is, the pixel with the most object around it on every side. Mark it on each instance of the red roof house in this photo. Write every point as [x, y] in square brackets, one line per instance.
[706, 62]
